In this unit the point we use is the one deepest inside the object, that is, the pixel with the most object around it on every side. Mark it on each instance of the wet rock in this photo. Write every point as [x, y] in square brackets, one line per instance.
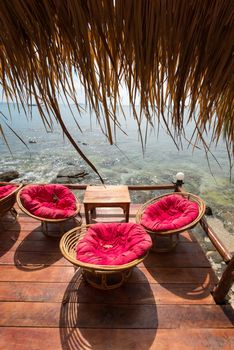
[72, 172]
[71, 175]
[70, 162]
[61, 180]
[208, 211]
[228, 220]
[73, 180]
[32, 141]
[9, 175]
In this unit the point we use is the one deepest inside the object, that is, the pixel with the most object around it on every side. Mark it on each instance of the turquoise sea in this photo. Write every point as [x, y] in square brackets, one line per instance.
[121, 164]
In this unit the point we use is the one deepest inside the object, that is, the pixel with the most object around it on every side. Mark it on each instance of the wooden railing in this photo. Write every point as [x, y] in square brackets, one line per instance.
[169, 186]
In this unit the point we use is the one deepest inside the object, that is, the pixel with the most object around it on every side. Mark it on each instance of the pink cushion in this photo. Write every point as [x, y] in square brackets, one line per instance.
[6, 190]
[113, 244]
[48, 201]
[169, 213]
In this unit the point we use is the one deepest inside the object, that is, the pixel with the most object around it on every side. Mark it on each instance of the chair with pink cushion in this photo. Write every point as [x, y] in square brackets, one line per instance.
[8, 193]
[52, 203]
[168, 215]
[106, 253]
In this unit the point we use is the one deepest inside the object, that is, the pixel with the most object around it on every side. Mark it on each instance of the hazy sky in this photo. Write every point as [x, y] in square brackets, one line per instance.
[80, 93]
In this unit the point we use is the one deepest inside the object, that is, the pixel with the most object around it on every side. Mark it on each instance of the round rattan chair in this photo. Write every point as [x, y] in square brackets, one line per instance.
[46, 221]
[170, 238]
[7, 202]
[103, 277]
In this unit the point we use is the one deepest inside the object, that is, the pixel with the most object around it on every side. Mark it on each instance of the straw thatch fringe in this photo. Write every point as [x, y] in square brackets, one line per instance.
[172, 53]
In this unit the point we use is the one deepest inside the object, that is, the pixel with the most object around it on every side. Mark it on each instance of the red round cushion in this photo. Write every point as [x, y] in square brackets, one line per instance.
[169, 213]
[6, 190]
[48, 201]
[113, 244]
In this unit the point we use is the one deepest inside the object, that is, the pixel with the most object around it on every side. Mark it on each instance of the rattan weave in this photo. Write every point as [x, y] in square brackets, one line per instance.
[172, 234]
[7, 202]
[46, 221]
[99, 276]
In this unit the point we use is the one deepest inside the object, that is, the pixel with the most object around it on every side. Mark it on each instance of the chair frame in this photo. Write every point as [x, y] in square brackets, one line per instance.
[46, 221]
[173, 235]
[96, 275]
[7, 203]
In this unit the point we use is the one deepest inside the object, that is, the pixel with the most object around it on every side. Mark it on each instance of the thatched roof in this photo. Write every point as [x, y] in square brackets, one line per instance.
[172, 53]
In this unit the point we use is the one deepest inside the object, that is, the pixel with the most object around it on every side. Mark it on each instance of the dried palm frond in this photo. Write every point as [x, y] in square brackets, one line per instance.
[166, 51]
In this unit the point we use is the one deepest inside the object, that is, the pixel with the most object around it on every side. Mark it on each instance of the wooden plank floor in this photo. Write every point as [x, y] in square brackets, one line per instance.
[166, 304]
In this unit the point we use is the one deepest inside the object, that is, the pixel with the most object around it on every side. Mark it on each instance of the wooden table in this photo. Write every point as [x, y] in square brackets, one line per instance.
[106, 196]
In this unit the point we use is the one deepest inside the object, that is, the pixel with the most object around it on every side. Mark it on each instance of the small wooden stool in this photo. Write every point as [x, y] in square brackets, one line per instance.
[106, 196]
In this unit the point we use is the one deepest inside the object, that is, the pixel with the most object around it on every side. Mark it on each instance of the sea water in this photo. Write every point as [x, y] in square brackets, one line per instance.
[125, 162]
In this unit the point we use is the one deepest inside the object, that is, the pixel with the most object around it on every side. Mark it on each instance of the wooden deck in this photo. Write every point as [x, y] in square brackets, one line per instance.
[166, 304]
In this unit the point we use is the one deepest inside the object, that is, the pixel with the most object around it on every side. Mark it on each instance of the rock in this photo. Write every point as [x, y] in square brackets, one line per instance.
[208, 211]
[71, 175]
[32, 141]
[209, 246]
[228, 220]
[9, 175]
[70, 162]
[72, 172]
[216, 258]
[61, 180]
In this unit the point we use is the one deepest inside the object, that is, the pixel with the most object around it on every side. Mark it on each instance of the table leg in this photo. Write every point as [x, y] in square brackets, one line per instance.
[86, 208]
[93, 213]
[127, 213]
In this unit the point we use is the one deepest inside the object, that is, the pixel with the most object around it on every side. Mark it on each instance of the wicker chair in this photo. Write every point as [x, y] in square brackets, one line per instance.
[46, 221]
[170, 238]
[103, 277]
[7, 202]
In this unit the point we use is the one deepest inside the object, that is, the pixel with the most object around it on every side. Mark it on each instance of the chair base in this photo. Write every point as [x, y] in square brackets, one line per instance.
[14, 213]
[106, 280]
[164, 243]
[62, 227]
